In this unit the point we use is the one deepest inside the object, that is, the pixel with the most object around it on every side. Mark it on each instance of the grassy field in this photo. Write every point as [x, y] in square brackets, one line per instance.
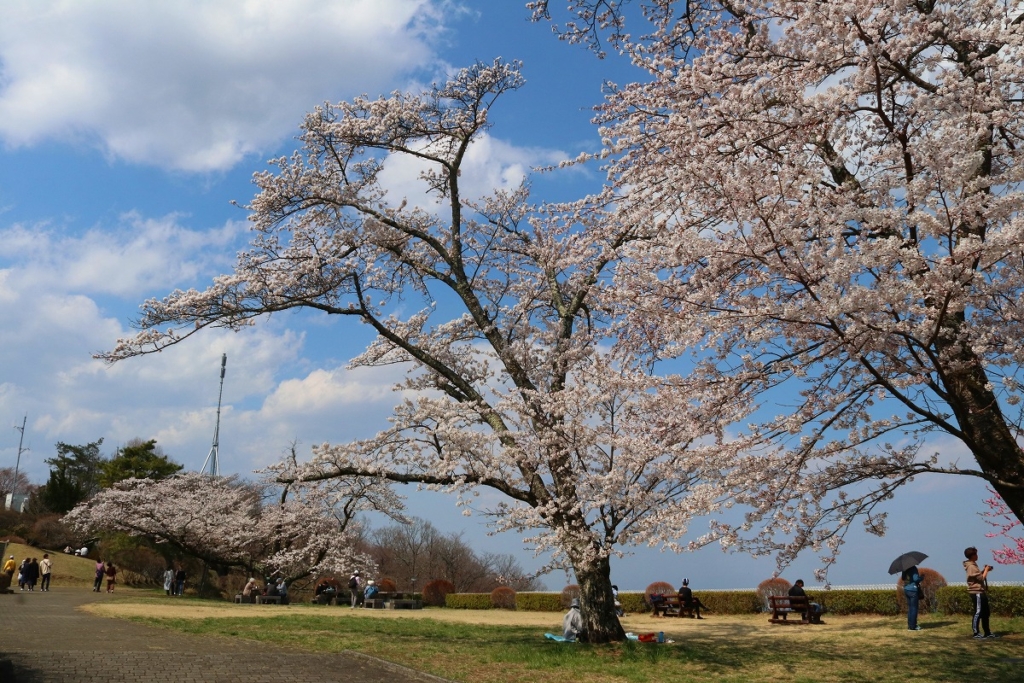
[499, 646]
[68, 570]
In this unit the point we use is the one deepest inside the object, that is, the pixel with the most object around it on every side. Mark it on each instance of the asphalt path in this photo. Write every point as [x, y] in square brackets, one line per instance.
[46, 638]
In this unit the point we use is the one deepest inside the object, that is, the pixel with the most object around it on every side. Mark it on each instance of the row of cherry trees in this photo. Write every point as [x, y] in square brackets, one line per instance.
[812, 207]
[293, 532]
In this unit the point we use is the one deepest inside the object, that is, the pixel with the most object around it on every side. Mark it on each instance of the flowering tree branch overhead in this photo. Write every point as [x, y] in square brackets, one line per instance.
[838, 192]
[513, 386]
[308, 529]
[999, 516]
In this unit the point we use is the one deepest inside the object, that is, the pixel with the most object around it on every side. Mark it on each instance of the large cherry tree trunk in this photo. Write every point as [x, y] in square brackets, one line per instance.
[597, 604]
[985, 429]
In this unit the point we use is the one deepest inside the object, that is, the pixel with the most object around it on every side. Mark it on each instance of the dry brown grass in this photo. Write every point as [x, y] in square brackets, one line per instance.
[497, 646]
[678, 630]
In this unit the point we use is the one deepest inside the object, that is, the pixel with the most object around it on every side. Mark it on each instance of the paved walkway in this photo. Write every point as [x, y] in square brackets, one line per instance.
[45, 639]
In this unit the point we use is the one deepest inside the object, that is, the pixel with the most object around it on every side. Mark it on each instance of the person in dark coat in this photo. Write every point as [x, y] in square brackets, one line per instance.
[688, 601]
[797, 591]
[31, 574]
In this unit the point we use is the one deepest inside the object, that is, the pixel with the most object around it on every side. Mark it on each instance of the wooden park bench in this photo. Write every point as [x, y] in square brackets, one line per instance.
[267, 599]
[784, 605]
[379, 601]
[404, 601]
[393, 601]
[670, 606]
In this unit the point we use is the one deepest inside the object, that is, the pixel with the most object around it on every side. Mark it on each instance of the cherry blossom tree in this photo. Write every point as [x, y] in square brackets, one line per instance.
[999, 516]
[301, 530]
[833, 198]
[511, 386]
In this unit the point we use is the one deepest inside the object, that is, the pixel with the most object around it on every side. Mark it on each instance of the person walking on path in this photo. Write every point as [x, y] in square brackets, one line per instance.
[354, 586]
[9, 566]
[111, 577]
[45, 568]
[100, 571]
[912, 591]
[169, 580]
[977, 588]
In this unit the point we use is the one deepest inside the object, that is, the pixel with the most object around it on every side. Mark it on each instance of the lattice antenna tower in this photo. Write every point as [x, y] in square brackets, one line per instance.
[212, 464]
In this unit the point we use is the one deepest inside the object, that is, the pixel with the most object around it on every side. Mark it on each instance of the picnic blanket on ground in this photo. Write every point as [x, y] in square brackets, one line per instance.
[558, 639]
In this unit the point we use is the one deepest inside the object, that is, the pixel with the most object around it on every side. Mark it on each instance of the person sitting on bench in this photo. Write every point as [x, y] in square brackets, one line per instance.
[687, 600]
[797, 591]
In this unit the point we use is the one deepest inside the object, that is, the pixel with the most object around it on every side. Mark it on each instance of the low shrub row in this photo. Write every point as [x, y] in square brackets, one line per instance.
[468, 601]
[725, 602]
[730, 602]
[1004, 601]
[539, 602]
[884, 602]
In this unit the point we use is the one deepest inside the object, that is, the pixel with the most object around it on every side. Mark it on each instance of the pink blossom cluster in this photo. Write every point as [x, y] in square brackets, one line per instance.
[1000, 516]
[229, 523]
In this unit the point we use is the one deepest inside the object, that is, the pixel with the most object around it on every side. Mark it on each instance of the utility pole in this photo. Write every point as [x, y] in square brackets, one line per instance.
[17, 464]
[212, 464]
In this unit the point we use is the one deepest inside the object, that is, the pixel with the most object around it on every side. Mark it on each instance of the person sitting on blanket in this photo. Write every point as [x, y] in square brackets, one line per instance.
[572, 623]
[797, 591]
[687, 600]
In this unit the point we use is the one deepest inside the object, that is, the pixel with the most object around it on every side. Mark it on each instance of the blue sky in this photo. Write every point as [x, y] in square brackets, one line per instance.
[128, 129]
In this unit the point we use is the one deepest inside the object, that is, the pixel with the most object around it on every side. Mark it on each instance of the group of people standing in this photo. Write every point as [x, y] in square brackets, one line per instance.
[30, 571]
[105, 571]
[174, 581]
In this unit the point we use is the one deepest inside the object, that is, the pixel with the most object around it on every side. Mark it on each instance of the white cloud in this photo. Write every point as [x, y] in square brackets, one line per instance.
[325, 391]
[64, 297]
[490, 164]
[196, 85]
[134, 257]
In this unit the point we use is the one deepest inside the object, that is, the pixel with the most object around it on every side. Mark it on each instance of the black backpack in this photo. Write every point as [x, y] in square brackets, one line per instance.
[353, 583]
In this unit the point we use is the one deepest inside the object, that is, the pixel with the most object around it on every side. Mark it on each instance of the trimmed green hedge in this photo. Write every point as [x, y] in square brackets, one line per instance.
[539, 602]
[633, 603]
[730, 602]
[1004, 601]
[882, 602]
[469, 601]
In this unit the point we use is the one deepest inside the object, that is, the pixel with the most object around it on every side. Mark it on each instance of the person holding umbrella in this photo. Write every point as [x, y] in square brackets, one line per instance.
[906, 565]
[912, 590]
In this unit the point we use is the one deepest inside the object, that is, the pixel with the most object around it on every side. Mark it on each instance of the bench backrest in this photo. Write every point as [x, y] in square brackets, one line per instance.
[791, 601]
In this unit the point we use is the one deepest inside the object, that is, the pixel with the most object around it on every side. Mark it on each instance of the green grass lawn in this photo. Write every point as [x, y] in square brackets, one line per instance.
[721, 648]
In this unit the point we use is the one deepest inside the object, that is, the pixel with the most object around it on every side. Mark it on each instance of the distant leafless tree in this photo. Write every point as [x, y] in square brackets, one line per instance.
[415, 553]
